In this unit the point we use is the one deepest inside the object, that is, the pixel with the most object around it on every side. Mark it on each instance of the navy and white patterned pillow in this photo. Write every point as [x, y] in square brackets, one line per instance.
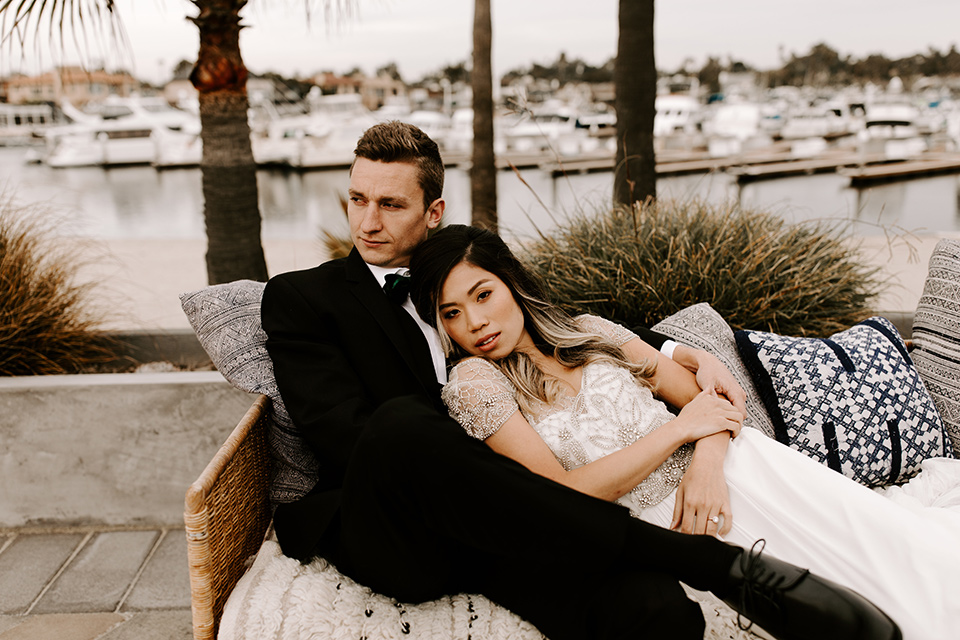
[853, 401]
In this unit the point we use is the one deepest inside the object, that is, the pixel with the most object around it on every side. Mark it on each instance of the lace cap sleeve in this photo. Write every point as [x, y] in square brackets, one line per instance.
[610, 330]
[479, 397]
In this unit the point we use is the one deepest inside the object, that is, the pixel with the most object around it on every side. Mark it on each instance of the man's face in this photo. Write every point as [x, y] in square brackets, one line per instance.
[386, 212]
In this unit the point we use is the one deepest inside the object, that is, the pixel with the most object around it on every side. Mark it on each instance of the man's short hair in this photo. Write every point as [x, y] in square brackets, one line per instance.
[396, 141]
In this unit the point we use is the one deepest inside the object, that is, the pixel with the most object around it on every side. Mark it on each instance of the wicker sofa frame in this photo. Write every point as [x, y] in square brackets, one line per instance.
[227, 514]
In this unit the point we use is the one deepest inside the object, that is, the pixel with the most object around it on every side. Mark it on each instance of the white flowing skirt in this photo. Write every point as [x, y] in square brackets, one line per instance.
[902, 551]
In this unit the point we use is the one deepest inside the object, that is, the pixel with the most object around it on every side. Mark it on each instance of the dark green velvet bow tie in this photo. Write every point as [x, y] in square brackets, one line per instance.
[397, 287]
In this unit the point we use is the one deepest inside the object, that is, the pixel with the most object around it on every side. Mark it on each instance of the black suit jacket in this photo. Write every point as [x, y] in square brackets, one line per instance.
[339, 349]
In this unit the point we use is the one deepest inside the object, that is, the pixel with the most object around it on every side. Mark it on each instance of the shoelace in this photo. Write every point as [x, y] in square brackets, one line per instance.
[754, 588]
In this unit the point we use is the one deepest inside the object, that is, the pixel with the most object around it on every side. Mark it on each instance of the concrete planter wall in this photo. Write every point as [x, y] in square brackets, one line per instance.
[110, 449]
[121, 449]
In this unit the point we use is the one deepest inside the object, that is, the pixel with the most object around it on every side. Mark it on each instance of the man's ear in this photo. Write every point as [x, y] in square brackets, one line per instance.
[435, 213]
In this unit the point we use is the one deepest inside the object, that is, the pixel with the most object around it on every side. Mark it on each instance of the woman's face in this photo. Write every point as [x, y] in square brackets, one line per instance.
[478, 311]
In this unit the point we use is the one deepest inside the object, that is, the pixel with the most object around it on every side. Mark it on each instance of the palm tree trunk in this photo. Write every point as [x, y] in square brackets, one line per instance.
[231, 208]
[483, 172]
[635, 77]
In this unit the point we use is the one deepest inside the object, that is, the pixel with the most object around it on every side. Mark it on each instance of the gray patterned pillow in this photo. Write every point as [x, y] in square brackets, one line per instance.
[226, 319]
[701, 327]
[936, 336]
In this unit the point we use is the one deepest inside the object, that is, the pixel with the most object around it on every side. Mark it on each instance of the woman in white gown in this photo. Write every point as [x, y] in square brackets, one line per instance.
[570, 398]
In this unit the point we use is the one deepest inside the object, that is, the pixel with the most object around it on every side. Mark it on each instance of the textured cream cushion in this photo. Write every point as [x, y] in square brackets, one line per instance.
[281, 599]
[936, 336]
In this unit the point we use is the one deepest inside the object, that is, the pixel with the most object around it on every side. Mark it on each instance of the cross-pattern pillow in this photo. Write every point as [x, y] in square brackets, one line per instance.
[853, 401]
[226, 319]
[936, 335]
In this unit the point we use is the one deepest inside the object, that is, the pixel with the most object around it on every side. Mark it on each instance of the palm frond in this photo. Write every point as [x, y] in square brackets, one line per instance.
[86, 22]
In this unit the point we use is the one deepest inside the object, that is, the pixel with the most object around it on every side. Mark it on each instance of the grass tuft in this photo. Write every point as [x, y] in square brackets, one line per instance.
[637, 265]
[46, 322]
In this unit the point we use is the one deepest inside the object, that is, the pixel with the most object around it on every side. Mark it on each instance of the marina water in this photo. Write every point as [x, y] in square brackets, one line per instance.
[143, 202]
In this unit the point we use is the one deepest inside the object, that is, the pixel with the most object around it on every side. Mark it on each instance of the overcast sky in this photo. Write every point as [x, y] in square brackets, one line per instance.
[424, 35]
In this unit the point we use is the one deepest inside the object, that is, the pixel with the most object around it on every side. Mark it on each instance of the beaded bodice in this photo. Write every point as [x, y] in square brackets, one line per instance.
[611, 411]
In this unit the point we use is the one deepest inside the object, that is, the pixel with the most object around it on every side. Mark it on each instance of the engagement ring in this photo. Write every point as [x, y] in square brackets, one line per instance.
[715, 519]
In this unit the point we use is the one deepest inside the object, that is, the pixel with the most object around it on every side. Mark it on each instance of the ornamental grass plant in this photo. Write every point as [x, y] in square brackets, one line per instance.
[637, 265]
[46, 322]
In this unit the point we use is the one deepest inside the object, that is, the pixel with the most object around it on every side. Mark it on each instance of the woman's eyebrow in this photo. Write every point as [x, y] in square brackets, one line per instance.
[469, 293]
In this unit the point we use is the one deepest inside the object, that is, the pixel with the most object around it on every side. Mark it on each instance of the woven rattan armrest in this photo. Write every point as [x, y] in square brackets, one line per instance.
[226, 516]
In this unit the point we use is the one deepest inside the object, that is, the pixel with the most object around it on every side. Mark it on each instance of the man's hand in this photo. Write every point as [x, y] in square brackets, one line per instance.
[711, 374]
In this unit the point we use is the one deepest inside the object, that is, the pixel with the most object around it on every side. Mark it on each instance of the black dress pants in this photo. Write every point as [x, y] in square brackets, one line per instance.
[429, 511]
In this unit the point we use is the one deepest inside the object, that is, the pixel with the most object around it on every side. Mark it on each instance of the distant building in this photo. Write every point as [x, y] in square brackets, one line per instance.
[374, 92]
[332, 84]
[378, 91]
[181, 91]
[73, 84]
[442, 95]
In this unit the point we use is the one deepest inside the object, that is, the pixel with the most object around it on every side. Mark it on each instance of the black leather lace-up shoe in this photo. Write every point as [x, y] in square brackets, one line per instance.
[791, 603]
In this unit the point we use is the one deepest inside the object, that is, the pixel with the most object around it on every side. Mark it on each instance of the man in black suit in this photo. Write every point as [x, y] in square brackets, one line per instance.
[409, 505]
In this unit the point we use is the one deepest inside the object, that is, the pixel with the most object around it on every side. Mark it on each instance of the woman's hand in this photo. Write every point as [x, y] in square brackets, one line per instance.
[706, 415]
[702, 494]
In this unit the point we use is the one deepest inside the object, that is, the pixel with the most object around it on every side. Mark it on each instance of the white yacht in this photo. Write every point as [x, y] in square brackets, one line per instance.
[676, 122]
[127, 131]
[731, 128]
[556, 128]
[24, 124]
[822, 121]
[323, 138]
[892, 129]
[675, 114]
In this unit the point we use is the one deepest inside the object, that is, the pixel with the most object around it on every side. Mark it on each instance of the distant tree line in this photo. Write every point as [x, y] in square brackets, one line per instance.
[824, 66]
[575, 70]
[821, 66]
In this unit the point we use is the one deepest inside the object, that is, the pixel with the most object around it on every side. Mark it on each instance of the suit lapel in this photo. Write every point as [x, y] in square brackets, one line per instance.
[396, 323]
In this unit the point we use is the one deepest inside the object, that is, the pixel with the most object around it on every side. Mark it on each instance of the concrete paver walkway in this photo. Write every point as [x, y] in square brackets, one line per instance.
[94, 583]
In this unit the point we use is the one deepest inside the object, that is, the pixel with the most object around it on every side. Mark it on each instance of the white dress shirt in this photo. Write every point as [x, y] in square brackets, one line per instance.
[433, 339]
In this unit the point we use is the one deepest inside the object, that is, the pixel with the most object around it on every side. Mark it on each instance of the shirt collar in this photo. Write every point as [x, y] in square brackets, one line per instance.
[380, 273]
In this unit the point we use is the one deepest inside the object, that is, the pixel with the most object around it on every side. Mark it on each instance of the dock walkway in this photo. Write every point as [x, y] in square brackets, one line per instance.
[865, 176]
[796, 167]
[769, 164]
